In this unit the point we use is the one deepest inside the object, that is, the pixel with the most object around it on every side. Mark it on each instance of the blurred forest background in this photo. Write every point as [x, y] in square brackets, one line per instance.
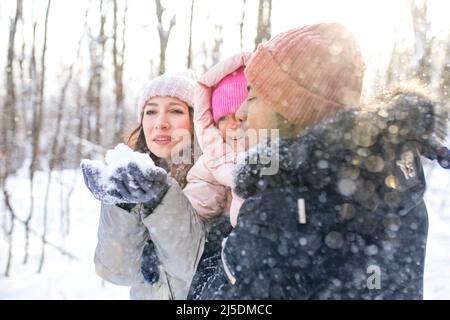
[72, 72]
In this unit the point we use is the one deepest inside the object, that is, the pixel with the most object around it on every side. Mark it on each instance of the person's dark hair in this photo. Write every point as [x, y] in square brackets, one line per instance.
[136, 141]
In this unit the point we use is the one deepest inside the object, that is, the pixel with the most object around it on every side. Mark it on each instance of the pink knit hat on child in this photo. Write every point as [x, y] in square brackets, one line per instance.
[229, 93]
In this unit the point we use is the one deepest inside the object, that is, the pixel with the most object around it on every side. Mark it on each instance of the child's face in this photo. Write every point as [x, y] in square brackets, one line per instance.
[229, 128]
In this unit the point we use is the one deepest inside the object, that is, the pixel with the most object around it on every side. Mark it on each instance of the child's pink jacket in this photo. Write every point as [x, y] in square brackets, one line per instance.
[210, 180]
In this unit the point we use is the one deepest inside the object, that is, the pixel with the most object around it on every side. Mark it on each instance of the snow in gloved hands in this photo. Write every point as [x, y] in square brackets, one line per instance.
[127, 177]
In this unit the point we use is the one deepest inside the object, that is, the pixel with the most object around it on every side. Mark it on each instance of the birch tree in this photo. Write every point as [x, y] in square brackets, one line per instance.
[164, 35]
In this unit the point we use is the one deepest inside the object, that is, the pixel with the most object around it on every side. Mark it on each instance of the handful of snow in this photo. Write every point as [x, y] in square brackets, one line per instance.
[118, 158]
[121, 156]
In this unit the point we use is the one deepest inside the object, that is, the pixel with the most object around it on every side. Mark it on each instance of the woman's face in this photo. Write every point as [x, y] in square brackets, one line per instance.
[167, 126]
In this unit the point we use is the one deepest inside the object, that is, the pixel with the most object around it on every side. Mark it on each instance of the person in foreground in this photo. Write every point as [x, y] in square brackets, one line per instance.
[344, 216]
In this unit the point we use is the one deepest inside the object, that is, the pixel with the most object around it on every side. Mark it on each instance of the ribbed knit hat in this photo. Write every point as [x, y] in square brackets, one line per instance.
[229, 93]
[181, 85]
[309, 73]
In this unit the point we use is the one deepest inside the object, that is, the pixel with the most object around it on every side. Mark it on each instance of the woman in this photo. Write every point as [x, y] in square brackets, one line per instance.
[150, 217]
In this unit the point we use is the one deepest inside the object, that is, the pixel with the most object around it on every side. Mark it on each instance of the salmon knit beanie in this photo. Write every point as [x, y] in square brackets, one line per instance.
[228, 95]
[309, 73]
[181, 85]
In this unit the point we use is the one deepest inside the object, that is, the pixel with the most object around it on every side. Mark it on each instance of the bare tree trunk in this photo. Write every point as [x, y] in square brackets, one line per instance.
[61, 203]
[23, 85]
[423, 45]
[8, 132]
[204, 50]
[163, 35]
[398, 68]
[34, 137]
[10, 232]
[189, 58]
[218, 41]
[73, 157]
[118, 61]
[58, 147]
[65, 229]
[86, 109]
[8, 146]
[241, 26]
[413, 62]
[65, 224]
[94, 100]
[81, 125]
[41, 108]
[89, 106]
[11, 148]
[38, 109]
[98, 75]
[55, 155]
[264, 21]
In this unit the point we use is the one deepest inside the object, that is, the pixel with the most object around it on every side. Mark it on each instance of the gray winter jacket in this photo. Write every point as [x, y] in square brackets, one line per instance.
[177, 233]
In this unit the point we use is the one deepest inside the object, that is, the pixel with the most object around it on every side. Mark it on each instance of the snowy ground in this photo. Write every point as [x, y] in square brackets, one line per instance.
[437, 263]
[63, 278]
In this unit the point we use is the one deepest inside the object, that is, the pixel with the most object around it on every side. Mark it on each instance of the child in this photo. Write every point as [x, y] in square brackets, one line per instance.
[222, 90]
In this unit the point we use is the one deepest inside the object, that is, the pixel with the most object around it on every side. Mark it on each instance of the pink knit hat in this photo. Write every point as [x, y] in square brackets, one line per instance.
[229, 93]
[308, 74]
